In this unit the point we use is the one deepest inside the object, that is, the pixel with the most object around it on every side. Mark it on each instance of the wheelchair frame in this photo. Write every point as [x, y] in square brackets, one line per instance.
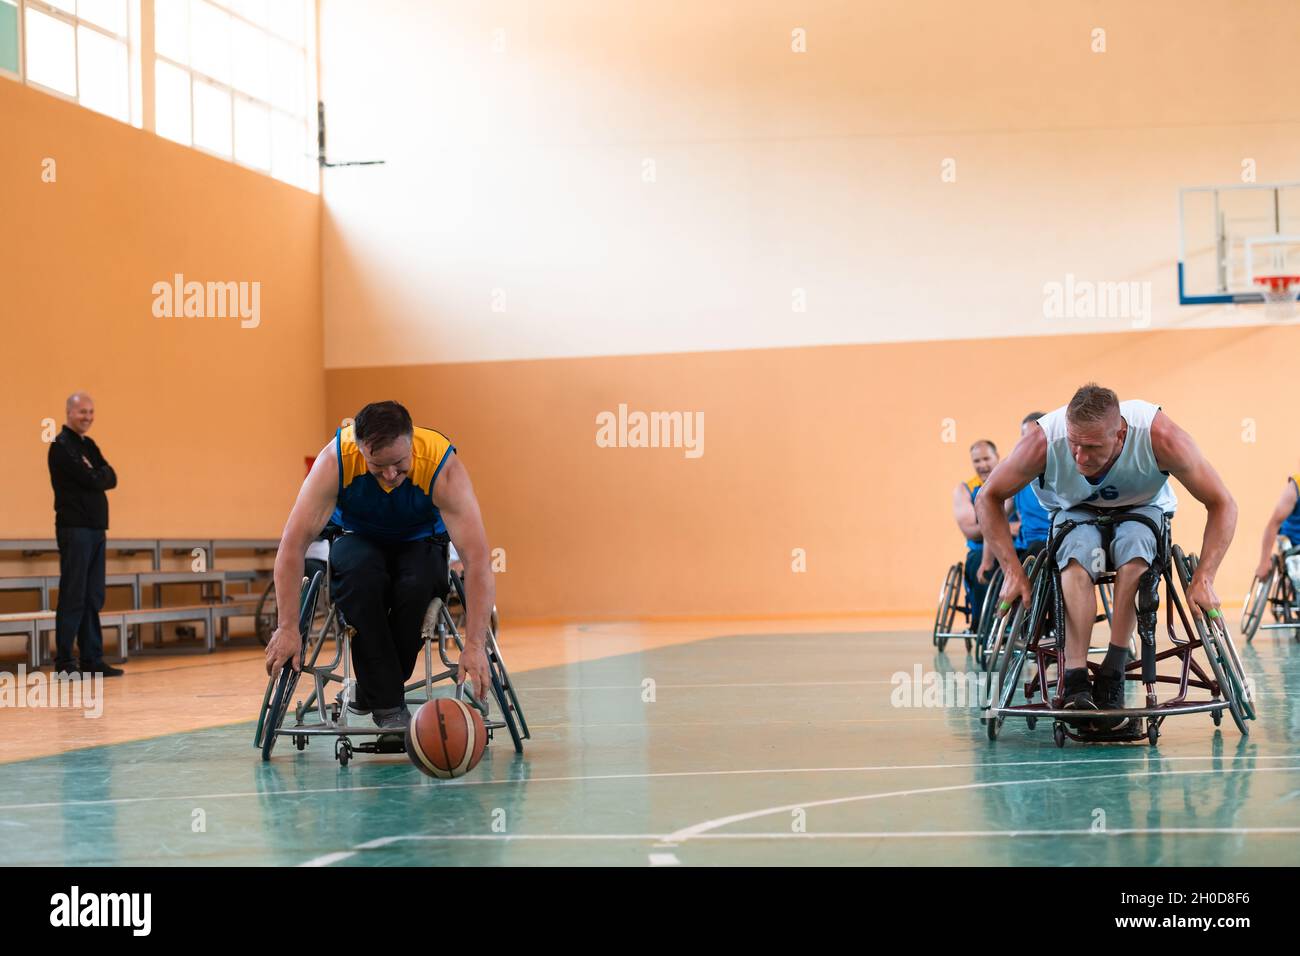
[332, 719]
[1039, 632]
[1276, 593]
[950, 593]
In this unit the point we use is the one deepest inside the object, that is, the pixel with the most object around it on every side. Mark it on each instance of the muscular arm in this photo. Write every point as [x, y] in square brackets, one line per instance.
[964, 512]
[454, 496]
[1026, 462]
[310, 512]
[1285, 505]
[1177, 454]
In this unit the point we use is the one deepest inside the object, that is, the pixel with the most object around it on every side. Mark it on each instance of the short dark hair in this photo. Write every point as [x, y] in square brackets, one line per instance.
[1092, 404]
[1032, 417]
[382, 423]
[984, 441]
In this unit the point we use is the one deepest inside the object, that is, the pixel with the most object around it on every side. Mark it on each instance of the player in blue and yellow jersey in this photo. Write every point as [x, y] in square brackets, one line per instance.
[1285, 520]
[983, 456]
[1035, 522]
[398, 493]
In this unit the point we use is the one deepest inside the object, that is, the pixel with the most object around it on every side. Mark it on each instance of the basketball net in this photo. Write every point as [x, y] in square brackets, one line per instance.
[1280, 294]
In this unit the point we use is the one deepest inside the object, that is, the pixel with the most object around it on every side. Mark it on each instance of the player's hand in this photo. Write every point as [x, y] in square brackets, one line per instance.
[285, 645]
[1201, 596]
[1265, 566]
[474, 665]
[986, 568]
[1015, 587]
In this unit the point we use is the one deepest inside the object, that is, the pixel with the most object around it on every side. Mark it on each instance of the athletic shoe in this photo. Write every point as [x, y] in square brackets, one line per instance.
[1108, 693]
[1077, 695]
[395, 718]
[106, 670]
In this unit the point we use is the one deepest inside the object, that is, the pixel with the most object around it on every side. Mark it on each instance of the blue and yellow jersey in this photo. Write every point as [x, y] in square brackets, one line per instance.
[404, 513]
[1035, 522]
[973, 485]
[1291, 526]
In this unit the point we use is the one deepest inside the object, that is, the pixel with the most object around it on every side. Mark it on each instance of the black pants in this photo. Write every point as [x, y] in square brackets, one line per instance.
[81, 597]
[975, 589]
[383, 589]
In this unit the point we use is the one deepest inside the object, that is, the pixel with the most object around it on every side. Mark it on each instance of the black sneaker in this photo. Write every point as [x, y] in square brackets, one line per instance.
[105, 670]
[1108, 694]
[396, 718]
[1078, 695]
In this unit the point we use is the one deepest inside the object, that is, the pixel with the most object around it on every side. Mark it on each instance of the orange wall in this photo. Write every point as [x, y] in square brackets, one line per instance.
[838, 451]
[205, 422]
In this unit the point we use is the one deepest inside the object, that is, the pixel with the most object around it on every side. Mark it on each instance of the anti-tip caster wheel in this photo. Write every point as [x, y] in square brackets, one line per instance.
[343, 751]
[1058, 733]
[1032, 722]
[1218, 717]
[1153, 732]
[992, 725]
[300, 741]
[968, 645]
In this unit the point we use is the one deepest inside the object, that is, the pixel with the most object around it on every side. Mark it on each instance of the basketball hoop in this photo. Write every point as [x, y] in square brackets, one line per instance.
[1280, 293]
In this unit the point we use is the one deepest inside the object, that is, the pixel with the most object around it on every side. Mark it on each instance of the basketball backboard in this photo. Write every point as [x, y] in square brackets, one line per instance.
[1229, 236]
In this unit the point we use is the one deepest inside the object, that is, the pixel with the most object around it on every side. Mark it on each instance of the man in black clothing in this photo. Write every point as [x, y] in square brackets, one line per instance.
[80, 476]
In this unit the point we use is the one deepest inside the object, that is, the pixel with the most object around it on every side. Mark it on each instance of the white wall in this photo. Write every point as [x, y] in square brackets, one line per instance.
[516, 133]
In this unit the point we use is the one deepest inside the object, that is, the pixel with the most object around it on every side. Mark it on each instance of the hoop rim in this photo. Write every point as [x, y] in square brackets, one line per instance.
[1278, 283]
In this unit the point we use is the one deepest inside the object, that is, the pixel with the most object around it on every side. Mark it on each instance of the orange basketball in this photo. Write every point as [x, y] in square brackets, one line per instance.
[446, 738]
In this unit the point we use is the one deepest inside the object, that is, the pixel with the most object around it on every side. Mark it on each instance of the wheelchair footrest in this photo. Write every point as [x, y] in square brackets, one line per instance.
[384, 744]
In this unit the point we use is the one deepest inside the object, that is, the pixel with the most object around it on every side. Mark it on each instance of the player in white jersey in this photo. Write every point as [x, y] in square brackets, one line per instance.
[1100, 453]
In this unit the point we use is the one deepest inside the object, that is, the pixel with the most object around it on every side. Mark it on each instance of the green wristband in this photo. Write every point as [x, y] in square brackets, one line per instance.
[1004, 606]
[1214, 612]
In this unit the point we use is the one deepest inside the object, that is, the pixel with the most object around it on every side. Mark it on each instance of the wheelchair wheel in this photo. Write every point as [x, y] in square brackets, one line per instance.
[502, 687]
[988, 616]
[265, 615]
[948, 598]
[1256, 600]
[1231, 683]
[276, 702]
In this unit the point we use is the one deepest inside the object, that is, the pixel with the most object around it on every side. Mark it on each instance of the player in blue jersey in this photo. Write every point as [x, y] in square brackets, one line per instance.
[1284, 521]
[983, 458]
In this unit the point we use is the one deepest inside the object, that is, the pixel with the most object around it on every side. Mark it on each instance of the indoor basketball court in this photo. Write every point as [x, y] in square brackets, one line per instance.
[643, 435]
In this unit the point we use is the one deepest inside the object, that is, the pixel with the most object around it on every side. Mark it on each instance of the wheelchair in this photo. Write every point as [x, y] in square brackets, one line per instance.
[951, 596]
[984, 640]
[1276, 593]
[319, 716]
[1037, 633]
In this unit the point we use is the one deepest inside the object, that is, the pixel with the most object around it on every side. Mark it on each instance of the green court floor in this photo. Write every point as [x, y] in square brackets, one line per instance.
[756, 749]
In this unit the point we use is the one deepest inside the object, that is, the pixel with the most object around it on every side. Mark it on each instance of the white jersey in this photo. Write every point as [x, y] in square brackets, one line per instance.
[1135, 479]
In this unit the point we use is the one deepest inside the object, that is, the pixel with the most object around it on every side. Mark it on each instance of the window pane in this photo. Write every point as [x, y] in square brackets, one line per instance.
[254, 10]
[289, 149]
[250, 67]
[102, 74]
[109, 14]
[8, 36]
[288, 73]
[171, 29]
[172, 102]
[287, 20]
[252, 134]
[211, 118]
[210, 41]
[51, 56]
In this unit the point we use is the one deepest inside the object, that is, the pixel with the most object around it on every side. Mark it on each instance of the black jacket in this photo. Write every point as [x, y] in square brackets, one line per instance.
[79, 499]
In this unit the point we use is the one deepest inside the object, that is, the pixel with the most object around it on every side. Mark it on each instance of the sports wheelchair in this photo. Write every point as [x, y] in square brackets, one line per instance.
[951, 594]
[1037, 633]
[1276, 592]
[318, 716]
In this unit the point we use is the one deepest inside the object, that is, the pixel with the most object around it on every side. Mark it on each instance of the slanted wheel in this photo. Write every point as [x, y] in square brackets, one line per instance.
[1058, 733]
[946, 615]
[1218, 650]
[1252, 609]
[279, 690]
[265, 615]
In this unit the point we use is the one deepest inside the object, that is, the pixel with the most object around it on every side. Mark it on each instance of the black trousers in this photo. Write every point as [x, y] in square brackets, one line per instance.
[81, 597]
[383, 589]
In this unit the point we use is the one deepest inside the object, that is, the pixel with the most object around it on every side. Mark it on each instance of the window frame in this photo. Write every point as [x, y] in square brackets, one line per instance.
[77, 22]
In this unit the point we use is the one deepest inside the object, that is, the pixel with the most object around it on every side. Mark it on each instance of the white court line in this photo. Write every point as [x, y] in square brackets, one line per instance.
[667, 774]
[661, 686]
[681, 836]
[1088, 833]
[664, 859]
[329, 859]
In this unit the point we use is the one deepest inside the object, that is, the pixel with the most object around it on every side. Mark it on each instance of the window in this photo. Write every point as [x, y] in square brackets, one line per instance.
[78, 48]
[237, 78]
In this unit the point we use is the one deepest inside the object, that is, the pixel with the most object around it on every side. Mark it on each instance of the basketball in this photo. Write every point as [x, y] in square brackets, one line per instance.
[446, 738]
